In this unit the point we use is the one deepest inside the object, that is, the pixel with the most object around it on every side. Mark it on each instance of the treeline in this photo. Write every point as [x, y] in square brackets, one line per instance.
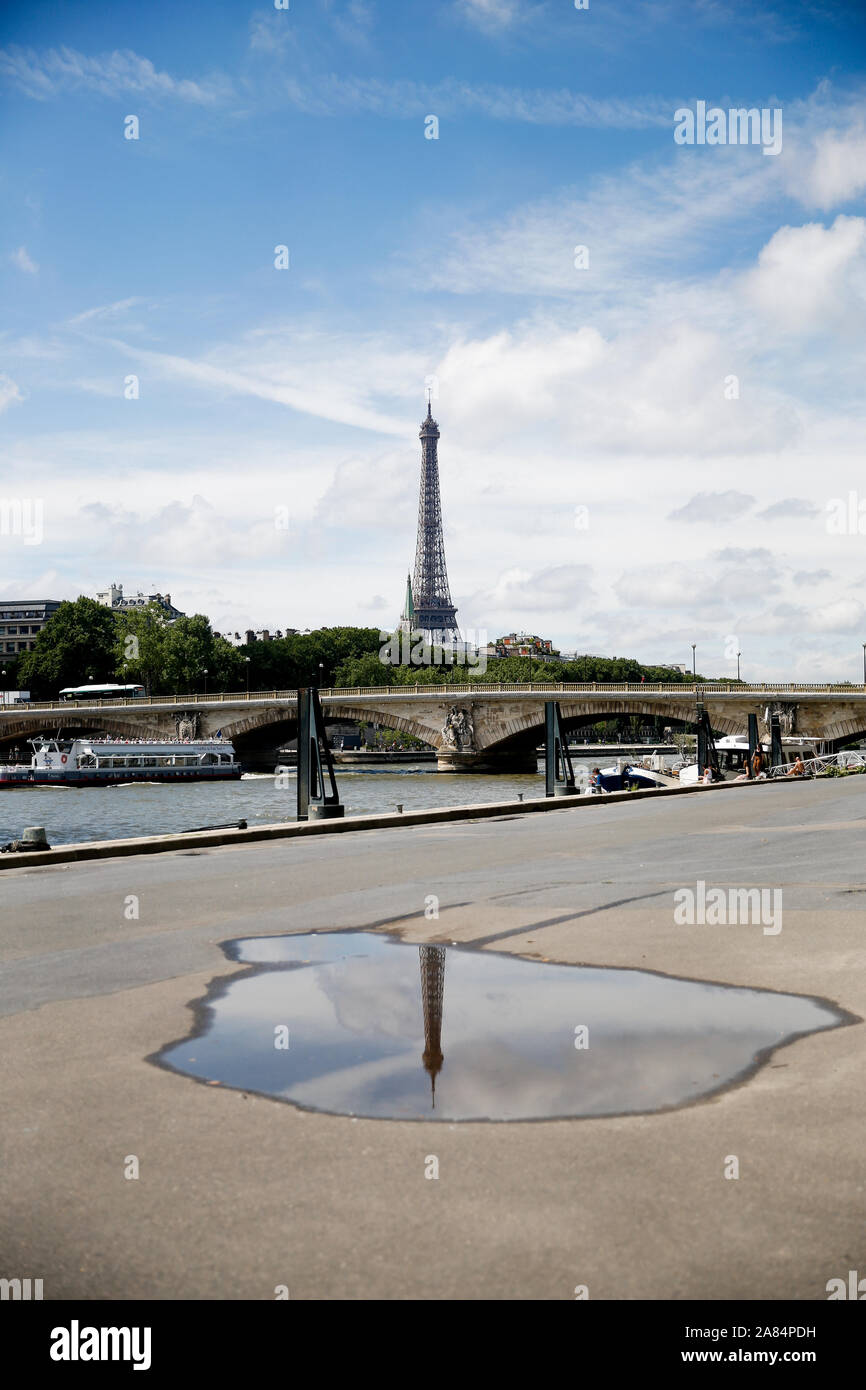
[368, 669]
[87, 643]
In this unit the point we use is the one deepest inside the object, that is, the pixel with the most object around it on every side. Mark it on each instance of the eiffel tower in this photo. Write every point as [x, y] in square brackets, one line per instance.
[435, 615]
[432, 1000]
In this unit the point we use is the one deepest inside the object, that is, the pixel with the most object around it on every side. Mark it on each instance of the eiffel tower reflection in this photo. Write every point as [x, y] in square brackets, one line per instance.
[432, 998]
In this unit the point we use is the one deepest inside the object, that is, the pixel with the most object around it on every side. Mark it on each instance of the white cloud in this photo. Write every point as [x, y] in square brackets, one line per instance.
[308, 382]
[789, 508]
[194, 532]
[47, 73]
[492, 15]
[559, 588]
[10, 393]
[812, 277]
[836, 171]
[843, 615]
[99, 386]
[717, 508]
[104, 311]
[329, 94]
[23, 260]
[811, 577]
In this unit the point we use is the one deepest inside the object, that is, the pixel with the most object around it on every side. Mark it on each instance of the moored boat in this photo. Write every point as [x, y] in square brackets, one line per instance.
[626, 776]
[89, 762]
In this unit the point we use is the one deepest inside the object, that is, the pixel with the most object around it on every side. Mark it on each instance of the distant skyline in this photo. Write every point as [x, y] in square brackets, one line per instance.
[652, 441]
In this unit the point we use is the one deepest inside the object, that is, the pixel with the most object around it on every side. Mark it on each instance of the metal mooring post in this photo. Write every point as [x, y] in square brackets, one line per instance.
[315, 762]
[558, 771]
[702, 739]
[776, 755]
[707, 755]
[754, 743]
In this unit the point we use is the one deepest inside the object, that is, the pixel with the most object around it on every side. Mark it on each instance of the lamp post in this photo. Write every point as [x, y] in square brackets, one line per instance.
[864, 663]
[694, 672]
[739, 654]
[204, 673]
[247, 660]
[321, 673]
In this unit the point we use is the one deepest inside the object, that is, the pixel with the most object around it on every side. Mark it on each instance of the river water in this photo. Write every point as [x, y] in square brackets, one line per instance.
[71, 814]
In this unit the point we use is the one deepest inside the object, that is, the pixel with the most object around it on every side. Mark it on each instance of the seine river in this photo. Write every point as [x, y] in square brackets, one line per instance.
[111, 813]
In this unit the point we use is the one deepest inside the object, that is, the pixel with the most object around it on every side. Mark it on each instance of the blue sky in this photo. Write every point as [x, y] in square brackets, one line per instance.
[265, 392]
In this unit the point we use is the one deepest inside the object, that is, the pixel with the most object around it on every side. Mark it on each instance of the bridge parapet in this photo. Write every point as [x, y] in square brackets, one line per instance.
[469, 690]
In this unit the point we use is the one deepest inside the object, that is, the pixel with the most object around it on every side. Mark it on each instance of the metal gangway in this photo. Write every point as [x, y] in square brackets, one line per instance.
[849, 760]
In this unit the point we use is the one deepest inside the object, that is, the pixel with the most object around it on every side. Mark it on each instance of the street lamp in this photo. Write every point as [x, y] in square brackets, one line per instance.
[321, 673]
[739, 654]
[247, 660]
[204, 673]
[694, 672]
[864, 664]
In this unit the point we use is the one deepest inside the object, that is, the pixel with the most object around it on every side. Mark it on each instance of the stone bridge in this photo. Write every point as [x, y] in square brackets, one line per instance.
[473, 728]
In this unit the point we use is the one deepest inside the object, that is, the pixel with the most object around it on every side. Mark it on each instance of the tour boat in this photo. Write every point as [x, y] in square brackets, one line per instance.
[90, 762]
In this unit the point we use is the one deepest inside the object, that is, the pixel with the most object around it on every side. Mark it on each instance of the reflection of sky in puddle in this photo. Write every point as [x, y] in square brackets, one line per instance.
[355, 1006]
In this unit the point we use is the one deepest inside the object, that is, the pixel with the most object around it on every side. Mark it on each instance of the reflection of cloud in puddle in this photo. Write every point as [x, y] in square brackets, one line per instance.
[357, 1033]
[391, 1008]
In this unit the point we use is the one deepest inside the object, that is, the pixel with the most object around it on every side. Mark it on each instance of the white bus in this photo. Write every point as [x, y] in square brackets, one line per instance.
[102, 692]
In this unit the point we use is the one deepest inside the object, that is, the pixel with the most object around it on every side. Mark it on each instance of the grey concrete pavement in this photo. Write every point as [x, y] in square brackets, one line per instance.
[238, 1194]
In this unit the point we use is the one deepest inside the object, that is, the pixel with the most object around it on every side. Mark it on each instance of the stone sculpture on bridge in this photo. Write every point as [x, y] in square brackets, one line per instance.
[187, 724]
[459, 730]
[787, 717]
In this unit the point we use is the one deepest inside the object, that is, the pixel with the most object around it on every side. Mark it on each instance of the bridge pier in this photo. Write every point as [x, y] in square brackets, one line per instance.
[502, 760]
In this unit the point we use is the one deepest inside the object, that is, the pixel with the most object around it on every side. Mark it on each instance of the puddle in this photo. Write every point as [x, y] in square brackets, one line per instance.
[379, 1028]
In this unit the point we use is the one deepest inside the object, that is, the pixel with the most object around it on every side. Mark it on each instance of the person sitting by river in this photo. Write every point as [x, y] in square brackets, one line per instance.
[797, 768]
[595, 780]
[758, 764]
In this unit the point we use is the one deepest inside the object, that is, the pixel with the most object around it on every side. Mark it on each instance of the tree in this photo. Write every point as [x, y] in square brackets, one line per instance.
[228, 666]
[140, 646]
[75, 646]
[188, 652]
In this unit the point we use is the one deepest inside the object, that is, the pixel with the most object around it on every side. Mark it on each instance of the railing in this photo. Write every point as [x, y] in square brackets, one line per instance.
[813, 767]
[462, 691]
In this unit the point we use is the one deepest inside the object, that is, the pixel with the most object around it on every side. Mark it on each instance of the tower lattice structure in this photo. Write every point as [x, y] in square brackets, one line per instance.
[435, 614]
[432, 1000]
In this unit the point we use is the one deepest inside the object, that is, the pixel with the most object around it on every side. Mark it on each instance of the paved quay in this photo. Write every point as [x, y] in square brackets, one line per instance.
[238, 1194]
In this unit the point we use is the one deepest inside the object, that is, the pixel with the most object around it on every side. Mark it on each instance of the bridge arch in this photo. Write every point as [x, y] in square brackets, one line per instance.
[526, 726]
[280, 725]
[18, 731]
[844, 731]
